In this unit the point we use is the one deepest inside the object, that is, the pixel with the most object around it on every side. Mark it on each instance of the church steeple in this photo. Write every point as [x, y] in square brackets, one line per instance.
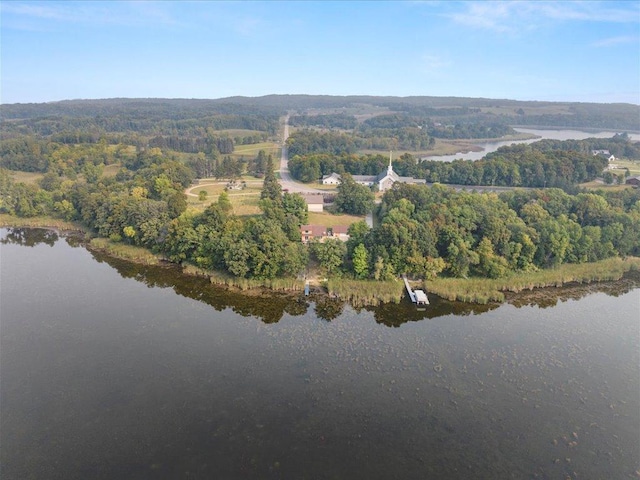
[390, 168]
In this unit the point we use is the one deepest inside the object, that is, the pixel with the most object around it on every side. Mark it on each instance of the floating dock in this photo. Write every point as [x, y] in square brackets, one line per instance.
[419, 297]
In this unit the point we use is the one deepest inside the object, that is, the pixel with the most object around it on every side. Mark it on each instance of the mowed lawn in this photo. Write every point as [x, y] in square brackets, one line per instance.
[632, 165]
[252, 150]
[330, 220]
[244, 202]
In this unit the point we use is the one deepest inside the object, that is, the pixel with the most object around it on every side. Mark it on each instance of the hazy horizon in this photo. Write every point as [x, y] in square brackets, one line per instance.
[529, 51]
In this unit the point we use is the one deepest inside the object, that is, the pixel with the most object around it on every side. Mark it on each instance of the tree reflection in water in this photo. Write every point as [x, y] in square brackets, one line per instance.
[270, 306]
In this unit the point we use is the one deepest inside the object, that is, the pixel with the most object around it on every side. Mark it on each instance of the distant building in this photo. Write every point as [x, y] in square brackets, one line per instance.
[604, 153]
[312, 232]
[340, 232]
[332, 179]
[635, 181]
[384, 180]
[320, 233]
[314, 201]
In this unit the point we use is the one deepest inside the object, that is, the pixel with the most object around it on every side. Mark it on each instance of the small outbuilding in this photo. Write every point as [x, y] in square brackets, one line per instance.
[314, 201]
[635, 181]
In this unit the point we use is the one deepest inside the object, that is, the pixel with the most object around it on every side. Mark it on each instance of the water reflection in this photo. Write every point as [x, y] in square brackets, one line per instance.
[154, 385]
[271, 306]
[29, 237]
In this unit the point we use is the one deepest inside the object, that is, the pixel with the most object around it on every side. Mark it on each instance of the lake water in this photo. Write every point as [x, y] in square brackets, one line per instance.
[111, 370]
[488, 147]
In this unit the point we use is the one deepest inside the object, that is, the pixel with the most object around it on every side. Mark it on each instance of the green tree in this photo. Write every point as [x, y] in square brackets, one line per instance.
[329, 254]
[271, 188]
[224, 203]
[361, 261]
[489, 264]
[294, 204]
[353, 198]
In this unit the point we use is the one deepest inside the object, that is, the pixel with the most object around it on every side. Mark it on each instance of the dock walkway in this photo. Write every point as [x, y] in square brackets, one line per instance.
[419, 297]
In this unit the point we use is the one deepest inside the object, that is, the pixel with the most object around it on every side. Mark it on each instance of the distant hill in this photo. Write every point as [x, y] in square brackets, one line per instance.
[617, 116]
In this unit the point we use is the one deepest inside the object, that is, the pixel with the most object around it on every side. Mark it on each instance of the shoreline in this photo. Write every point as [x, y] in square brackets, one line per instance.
[360, 292]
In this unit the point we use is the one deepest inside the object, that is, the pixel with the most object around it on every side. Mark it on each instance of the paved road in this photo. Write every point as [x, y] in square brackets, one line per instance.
[287, 182]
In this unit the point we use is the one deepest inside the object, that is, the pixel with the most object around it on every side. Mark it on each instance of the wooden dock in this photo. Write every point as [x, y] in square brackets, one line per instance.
[419, 297]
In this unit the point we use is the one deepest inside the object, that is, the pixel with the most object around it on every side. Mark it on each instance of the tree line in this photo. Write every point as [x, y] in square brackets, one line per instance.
[560, 164]
[422, 231]
[427, 231]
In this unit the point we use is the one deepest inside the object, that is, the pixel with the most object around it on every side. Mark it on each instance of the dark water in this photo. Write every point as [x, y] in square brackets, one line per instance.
[110, 370]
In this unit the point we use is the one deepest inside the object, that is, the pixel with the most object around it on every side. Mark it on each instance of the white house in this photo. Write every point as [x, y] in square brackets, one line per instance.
[384, 180]
[604, 153]
[332, 179]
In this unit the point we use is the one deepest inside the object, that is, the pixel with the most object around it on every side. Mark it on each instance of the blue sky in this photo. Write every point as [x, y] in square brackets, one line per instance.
[586, 51]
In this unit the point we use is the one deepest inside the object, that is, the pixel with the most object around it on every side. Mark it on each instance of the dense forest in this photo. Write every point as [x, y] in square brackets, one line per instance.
[423, 231]
[158, 147]
[427, 230]
[616, 116]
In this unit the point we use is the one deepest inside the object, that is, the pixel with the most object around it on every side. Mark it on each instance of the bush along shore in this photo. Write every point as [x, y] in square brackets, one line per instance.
[364, 292]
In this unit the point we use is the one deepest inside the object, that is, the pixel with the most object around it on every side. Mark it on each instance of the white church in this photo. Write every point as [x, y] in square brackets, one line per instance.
[384, 180]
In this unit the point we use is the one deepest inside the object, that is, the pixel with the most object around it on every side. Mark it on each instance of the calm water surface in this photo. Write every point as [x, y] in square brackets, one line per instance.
[489, 147]
[109, 370]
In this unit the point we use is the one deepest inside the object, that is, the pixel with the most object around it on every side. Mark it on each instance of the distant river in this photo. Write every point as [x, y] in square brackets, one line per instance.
[489, 147]
[116, 371]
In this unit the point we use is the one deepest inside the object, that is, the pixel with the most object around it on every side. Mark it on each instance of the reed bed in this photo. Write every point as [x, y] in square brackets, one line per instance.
[484, 290]
[7, 220]
[124, 251]
[362, 293]
[288, 284]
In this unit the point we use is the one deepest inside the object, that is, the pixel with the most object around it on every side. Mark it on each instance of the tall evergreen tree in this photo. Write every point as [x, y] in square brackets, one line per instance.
[271, 188]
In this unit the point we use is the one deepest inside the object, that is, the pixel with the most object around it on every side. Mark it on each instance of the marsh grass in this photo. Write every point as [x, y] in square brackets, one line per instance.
[484, 290]
[221, 278]
[7, 220]
[366, 292]
[124, 251]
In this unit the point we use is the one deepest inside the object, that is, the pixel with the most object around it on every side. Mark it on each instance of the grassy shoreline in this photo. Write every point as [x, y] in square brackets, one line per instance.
[486, 290]
[123, 251]
[7, 220]
[365, 292]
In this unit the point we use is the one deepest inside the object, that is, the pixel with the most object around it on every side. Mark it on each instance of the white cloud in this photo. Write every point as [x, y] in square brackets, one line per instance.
[613, 41]
[132, 13]
[517, 16]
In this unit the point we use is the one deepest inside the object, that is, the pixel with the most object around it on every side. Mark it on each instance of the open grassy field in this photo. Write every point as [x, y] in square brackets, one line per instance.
[239, 132]
[331, 220]
[528, 110]
[26, 177]
[244, 202]
[632, 165]
[598, 185]
[252, 150]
